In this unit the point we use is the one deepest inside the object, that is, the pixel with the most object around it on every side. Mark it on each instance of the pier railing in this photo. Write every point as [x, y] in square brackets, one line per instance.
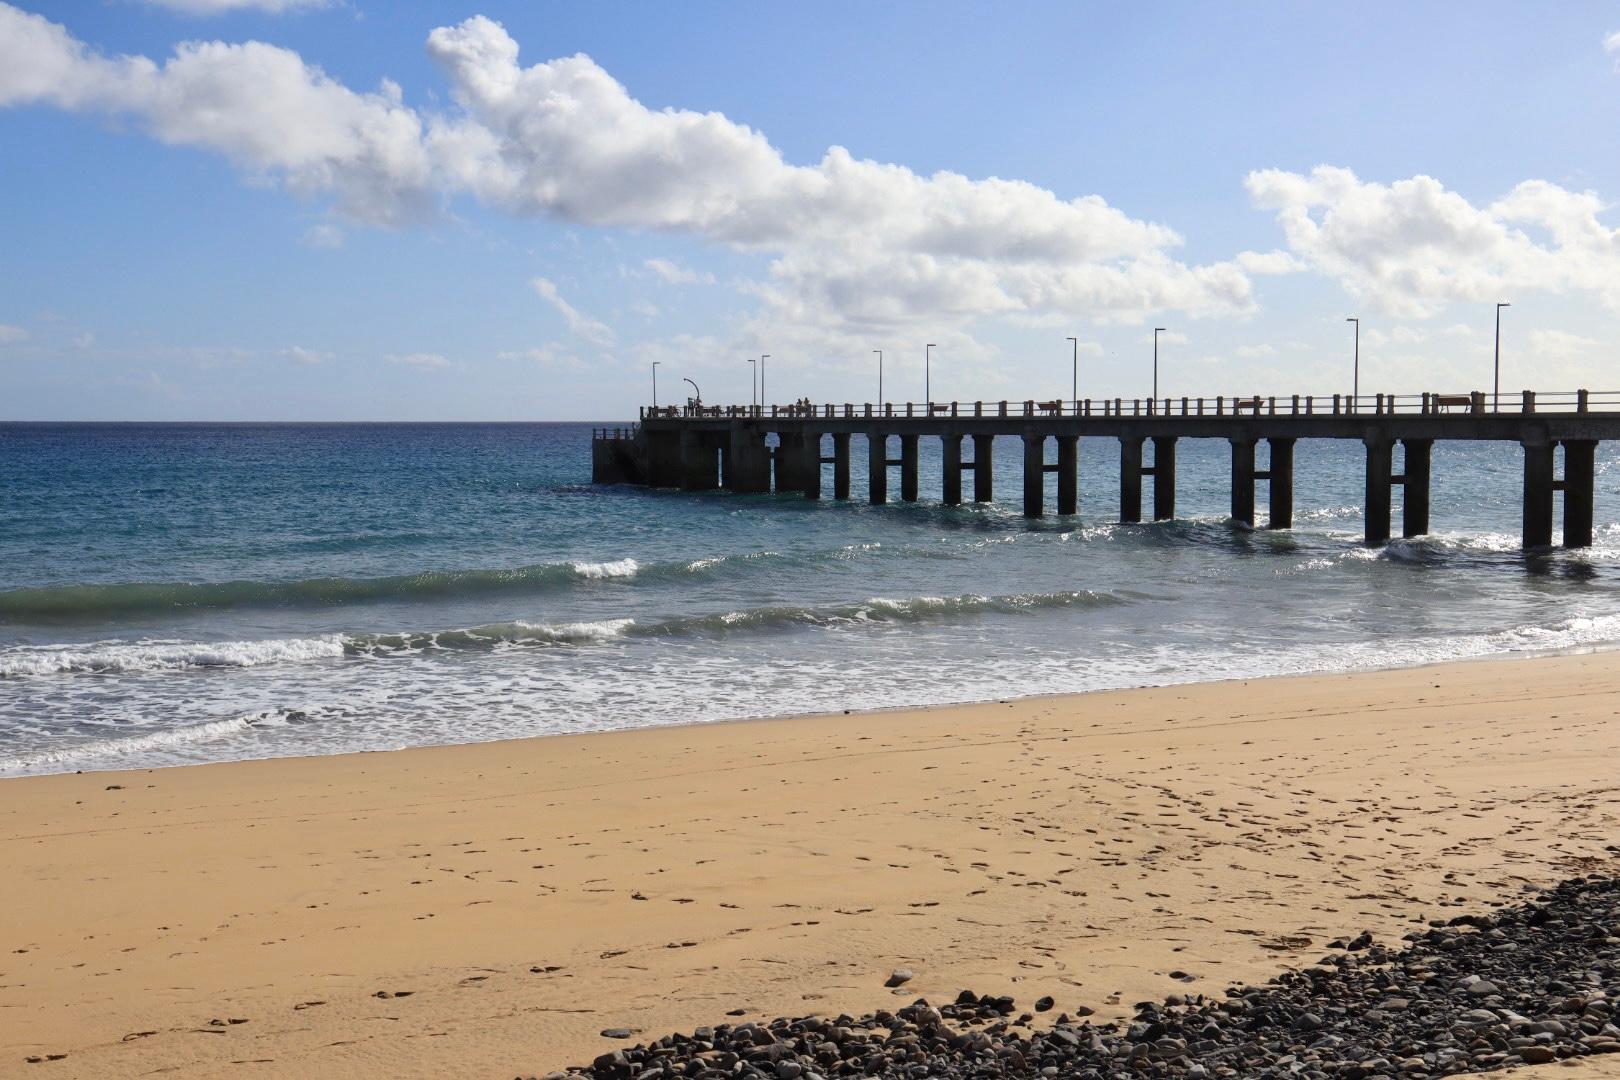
[615, 432]
[1476, 402]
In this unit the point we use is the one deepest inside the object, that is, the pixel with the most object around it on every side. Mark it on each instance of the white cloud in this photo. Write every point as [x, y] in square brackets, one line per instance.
[1412, 246]
[550, 355]
[578, 322]
[645, 309]
[299, 354]
[9, 334]
[419, 360]
[1252, 351]
[675, 274]
[324, 235]
[1169, 337]
[221, 7]
[1611, 45]
[1560, 344]
[858, 247]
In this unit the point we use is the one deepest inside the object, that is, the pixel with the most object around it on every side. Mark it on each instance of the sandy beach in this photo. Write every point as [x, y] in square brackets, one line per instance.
[488, 910]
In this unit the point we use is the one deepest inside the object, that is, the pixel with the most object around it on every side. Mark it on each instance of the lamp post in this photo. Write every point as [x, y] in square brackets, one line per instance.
[880, 378]
[753, 381]
[762, 358]
[1496, 389]
[1074, 387]
[1355, 371]
[928, 365]
[655, 364]
[1157, 330]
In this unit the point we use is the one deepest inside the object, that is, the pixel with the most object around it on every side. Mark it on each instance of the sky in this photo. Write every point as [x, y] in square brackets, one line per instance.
[348, 210]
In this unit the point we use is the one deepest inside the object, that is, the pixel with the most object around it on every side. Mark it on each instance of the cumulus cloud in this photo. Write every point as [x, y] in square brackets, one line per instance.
[856, 245]
[578, 322]
[672, 272]
[221, 7]
[1611, 45]
[1412, 246]
[419, 360]
[9, 334]
[300, 355]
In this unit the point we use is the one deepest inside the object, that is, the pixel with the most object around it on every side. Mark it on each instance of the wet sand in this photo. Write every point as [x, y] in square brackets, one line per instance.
[488, 910]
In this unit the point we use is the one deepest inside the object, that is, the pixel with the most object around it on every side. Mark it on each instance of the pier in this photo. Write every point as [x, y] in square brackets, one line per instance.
[700, 448]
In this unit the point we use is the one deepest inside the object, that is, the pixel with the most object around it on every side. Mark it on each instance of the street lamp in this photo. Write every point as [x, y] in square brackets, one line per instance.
[1157, 330]
[753, 379]
[928, 364]
[1355, 376]
[1496, 390]
[763, 357]
[1074, 388]
[655, 364]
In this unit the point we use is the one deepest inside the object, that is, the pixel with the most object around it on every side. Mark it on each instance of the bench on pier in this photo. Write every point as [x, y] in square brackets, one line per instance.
[1246, 405]
[1050, 408]
[1450, 401]
[936, 408]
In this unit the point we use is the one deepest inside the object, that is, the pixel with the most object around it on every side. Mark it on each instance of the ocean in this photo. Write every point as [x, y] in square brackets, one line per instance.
[174, 593]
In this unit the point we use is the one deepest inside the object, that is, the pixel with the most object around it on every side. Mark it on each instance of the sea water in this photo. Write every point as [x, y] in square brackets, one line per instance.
[178, 593]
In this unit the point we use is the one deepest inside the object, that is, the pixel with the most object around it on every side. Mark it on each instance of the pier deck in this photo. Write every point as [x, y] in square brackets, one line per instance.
[699, 448]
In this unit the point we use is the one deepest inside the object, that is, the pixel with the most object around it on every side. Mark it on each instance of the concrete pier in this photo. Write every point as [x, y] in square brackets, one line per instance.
[984, 458]
[699, 448]
[1130, 479]
[1164, 477]
[950, 448]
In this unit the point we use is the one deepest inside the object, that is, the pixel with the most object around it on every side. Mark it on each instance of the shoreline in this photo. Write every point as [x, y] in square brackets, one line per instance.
[489, 908]
[880, 710]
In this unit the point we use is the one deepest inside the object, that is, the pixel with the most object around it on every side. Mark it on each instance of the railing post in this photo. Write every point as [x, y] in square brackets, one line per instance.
[1220, 404]
[1183, 406]
[1582, 400]
[1271, 406]
[1529, 401]
[1335, 404]
[978, 408]
[1001, 409]
[1200, 406]
[1136, 406]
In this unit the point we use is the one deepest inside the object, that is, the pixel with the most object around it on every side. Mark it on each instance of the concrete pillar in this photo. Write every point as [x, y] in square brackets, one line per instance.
[1380, 452]
[810, 464]
[1034, 475]
[747, 462]
[1130, 478]
[1281, 493]
[789, 471]
[663, 458]
[951, 452]
[983, 467]
[1243, 481]
[1580, 468]
[700, 465]
[841, 465]
[1164, 477]
[1415, 496]
[877, 466]
[1068, 474]
[908, 468]
[1538, 494]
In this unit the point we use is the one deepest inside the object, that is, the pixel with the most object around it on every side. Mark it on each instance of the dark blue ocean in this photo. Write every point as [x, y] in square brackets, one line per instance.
[201, 592]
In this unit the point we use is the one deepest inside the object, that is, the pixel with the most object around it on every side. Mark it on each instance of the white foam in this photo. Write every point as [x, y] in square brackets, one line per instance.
[577, 631]
[618, 568]
[121, 657]
[131, 744]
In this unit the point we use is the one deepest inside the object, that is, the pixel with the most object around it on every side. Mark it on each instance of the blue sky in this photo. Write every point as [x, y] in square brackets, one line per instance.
[354, 220]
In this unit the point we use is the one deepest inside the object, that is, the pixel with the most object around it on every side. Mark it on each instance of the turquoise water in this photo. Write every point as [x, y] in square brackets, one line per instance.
[175, 593]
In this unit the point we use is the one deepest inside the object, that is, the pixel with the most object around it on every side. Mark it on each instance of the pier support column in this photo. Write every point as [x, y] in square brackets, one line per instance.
[663, 458]
[1580, 467]
[747, 462]
[841, 465]
[700, 464]
[1415, 488]
[951, 451]
[1538, 493]
[1281, 489]
[984, 458]
[1068, 474]
[877, 466]
[1243, 481]
[1380, 453]
[1034, 475]
[1130, 478]
[908, 468]
[1164, 477]
[810, 464]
